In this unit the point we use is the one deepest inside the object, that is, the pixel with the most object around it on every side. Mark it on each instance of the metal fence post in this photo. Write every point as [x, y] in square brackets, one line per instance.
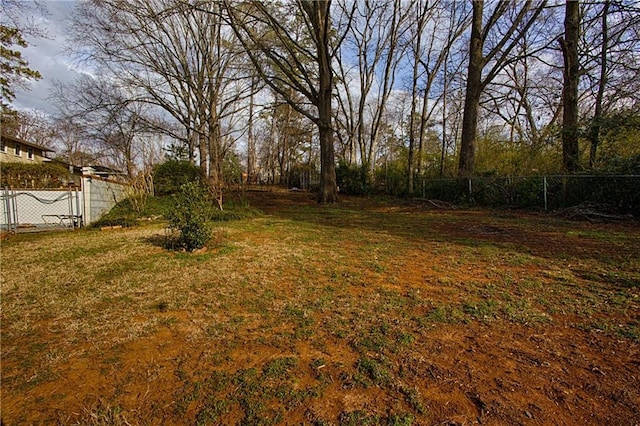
[7, 208]
[14, 199]
[78, 220]
[70, 204]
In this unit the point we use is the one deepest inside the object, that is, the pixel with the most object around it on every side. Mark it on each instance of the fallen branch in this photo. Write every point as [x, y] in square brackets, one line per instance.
[592, 213]
[439, 204]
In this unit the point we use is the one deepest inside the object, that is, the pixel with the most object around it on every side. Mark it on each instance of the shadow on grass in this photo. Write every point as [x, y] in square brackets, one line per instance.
[534, 234]
[159, 240]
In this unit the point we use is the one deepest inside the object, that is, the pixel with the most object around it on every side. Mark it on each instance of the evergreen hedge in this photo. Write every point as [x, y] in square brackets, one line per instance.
[34, 175]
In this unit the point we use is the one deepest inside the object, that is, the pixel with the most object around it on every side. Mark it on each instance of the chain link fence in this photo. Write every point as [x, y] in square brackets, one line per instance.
[621, 193]
[37, 210]
[31, 210]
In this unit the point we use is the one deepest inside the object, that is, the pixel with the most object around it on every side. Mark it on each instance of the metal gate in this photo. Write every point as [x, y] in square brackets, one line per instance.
[34, 210]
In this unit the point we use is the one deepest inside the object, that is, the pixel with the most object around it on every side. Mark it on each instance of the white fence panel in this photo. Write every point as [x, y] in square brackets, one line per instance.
[74, 207]
[37, 209]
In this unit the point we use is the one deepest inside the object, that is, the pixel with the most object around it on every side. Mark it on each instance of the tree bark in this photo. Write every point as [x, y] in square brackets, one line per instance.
[251, 141]
[597, 115]
[328, 182]
[472, 98]
[570, 152]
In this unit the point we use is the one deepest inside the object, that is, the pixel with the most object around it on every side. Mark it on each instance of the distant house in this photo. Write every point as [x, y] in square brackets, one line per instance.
[16, 150]
[102, 172]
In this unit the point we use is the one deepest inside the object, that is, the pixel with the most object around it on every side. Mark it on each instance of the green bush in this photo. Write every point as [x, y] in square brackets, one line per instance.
[353, 180]
[189, 216]
[392, 179]
[168, 177]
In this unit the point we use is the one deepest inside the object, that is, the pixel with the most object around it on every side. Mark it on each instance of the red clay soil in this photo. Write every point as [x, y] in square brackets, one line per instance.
[479, 374]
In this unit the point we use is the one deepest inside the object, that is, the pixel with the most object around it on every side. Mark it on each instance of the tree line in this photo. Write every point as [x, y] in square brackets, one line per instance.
[411, 87]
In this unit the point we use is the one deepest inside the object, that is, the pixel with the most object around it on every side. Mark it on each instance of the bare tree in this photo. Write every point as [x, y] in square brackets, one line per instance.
[73, 145]
[609, 65]
[375, 36]
[176, 56]
[32, 126]
[594, 135]
[109, 118]
[451, 107]
[251, 137]
[525, 95]
[429, 52]
[290, 61]
[507, 24]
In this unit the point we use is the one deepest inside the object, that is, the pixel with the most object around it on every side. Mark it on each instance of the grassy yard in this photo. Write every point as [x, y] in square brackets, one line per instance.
[362, 313]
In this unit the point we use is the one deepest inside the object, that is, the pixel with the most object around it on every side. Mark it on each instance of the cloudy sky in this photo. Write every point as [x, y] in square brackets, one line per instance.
[47, 56]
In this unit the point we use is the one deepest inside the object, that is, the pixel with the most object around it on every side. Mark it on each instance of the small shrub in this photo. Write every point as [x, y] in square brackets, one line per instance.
[353, 180]
[189, 216]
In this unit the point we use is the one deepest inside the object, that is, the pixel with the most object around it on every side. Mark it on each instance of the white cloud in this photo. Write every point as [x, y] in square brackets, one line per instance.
[47, 55]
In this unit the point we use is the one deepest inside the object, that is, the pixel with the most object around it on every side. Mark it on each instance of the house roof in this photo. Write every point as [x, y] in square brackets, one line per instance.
[103, 170]
[26, 143]
[96, 169]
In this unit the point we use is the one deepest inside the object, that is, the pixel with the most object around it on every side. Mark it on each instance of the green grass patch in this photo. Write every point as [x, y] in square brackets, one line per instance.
[132, 212]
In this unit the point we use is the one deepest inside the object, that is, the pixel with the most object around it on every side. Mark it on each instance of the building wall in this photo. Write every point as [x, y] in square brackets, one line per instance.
[27, 154]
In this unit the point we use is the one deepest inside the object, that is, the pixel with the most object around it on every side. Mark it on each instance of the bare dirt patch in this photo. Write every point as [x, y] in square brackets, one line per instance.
[365, 312]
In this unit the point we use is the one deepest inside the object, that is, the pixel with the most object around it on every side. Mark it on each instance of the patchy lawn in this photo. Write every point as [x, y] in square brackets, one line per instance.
[365, 312]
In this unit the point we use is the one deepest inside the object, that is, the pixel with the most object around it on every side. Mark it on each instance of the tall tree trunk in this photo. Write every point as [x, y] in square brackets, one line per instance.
[283, 145]
[444, 117]
[473, 91]
[216, 157]
[594, 135]
[412, 126]
[203, 148]
[570, 152]
[192, 138]
[251, 141]
[419, 28]
[328, 183]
